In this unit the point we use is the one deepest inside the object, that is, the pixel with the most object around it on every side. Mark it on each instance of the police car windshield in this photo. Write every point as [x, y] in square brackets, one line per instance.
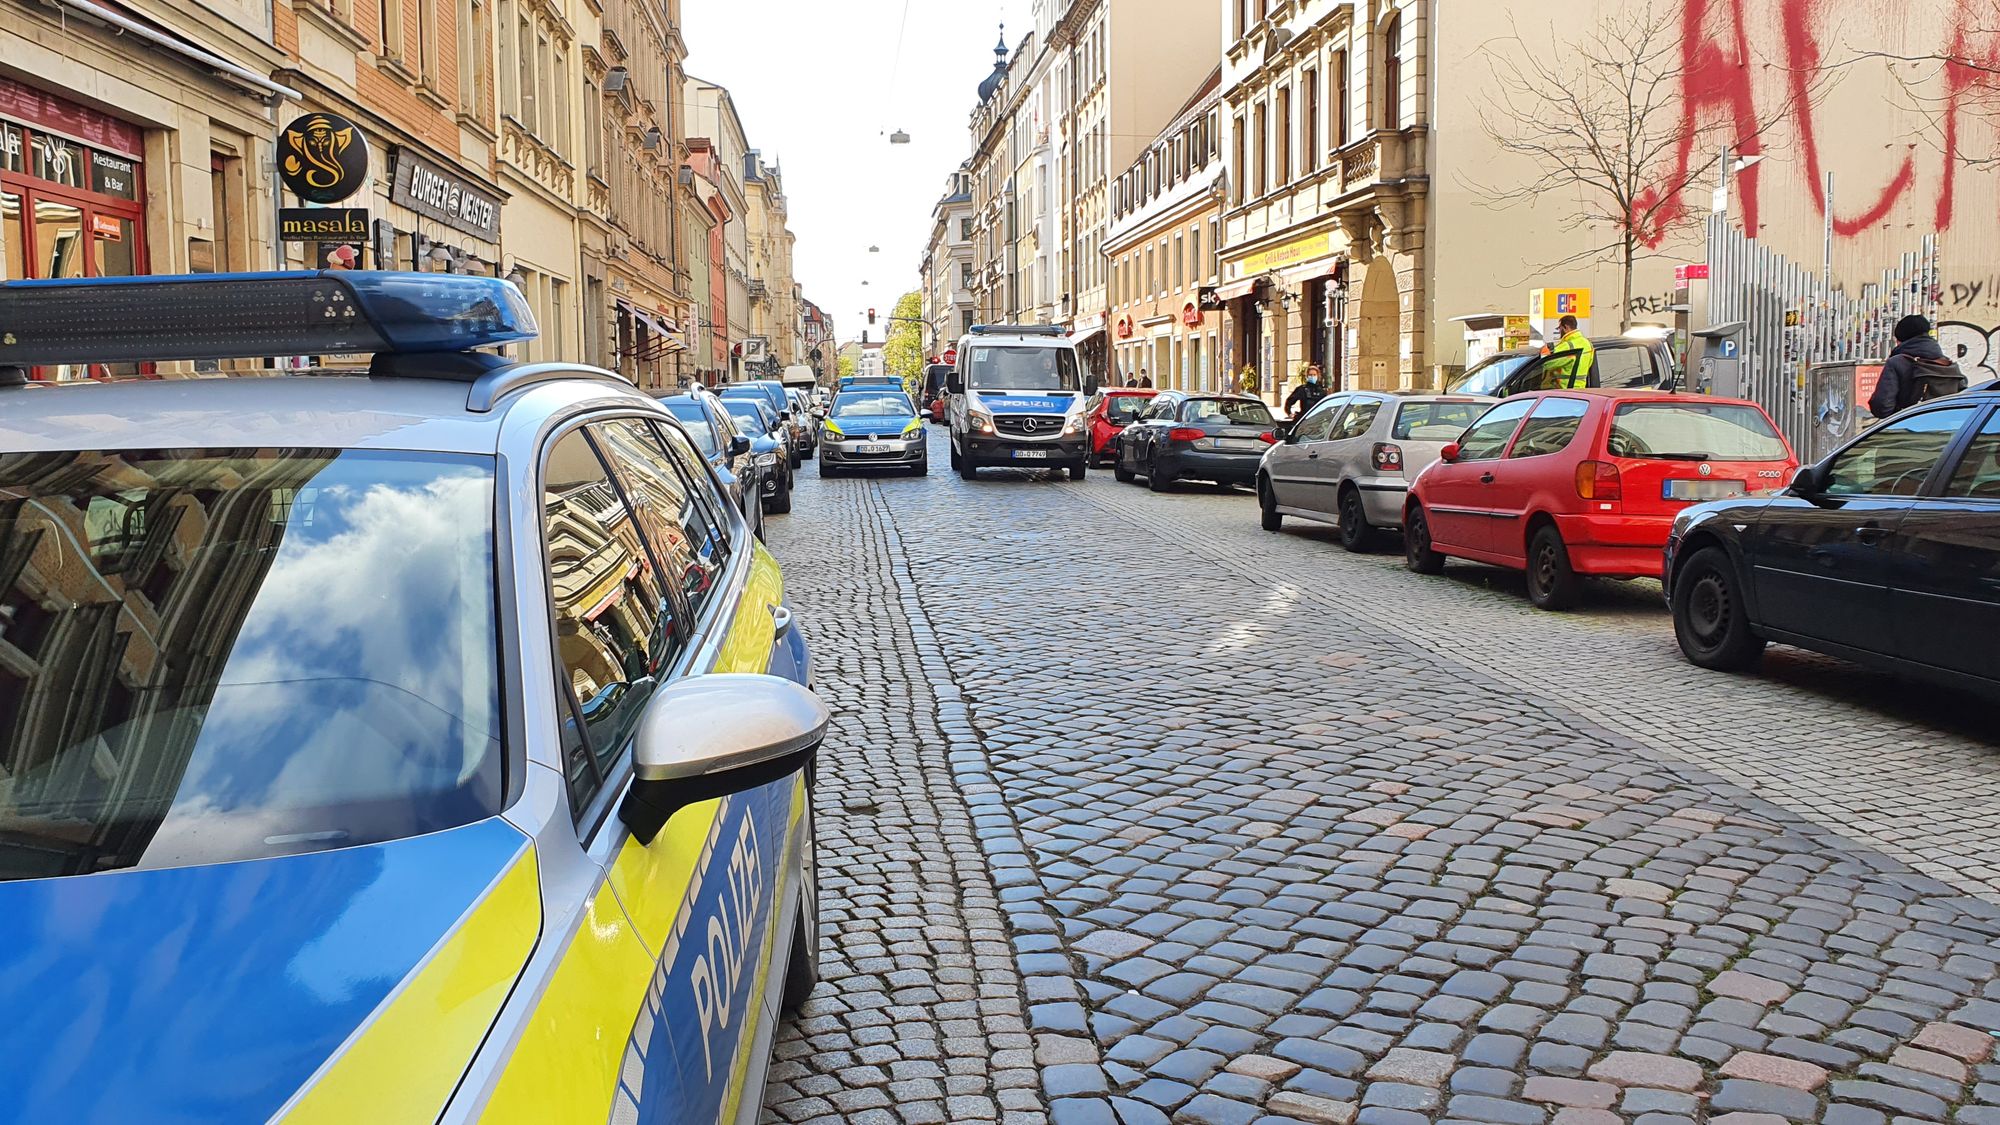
[871, 406]
[997, 367]
[222, 655]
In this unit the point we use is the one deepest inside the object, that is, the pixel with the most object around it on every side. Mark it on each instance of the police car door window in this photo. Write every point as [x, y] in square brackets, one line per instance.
[700, 519]
[615, 627]
[681, 534]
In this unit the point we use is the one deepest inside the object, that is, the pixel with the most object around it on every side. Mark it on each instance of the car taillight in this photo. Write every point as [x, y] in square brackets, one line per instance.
[1388, 457]
[1268, 437]
[1186, 433]
[1598, 480]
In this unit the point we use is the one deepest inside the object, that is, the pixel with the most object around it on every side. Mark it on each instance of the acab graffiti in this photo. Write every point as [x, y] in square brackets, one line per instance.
[1718, 88]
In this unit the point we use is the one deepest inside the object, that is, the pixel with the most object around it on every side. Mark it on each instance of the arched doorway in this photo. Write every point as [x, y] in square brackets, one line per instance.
[1380, 319]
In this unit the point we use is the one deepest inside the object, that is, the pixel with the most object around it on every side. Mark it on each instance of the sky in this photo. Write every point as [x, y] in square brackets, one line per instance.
[820, 85]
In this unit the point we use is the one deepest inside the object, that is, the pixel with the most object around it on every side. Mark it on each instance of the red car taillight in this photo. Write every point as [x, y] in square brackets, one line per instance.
[1268, 437]
[1388, 457]
[1598, 480]
[1186, 433]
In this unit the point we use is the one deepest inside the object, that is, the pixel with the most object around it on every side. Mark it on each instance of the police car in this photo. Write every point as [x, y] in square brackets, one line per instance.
[430, 744]
[1019, 397]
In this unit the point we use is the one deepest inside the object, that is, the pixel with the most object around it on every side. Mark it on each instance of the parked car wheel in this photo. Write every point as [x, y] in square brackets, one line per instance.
[1356, 533]
[1119, 472]
[1710, 620]
[1418, 554]
[1079, 470]
[1267, 505]
[827, 469]
[1551, 583]
[781, 502]
[955, 458]
[966, 469]
[802, 969]
[1157, 479]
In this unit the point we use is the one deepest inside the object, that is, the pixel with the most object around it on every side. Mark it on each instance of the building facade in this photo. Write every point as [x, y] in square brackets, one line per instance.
[1166, 324]
[714, 120]
[947, 269]
[774, 300]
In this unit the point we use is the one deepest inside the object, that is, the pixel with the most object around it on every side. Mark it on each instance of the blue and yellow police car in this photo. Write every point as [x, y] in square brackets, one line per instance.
[427, 744]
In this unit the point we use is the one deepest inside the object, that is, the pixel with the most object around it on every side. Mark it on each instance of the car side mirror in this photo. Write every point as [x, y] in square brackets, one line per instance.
[739, 445]
[710, 736]
[1283, 430]
[954, 384]
[1449, 452]
[1810, 480]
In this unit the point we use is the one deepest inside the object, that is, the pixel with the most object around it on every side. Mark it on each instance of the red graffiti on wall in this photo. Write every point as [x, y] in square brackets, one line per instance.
[1718, 100]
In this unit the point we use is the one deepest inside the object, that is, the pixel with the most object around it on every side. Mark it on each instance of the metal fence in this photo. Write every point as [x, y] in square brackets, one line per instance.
[1795, 316]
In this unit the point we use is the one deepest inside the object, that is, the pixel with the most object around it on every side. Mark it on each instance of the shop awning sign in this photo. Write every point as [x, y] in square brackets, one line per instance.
[323, 224]
[439, 193]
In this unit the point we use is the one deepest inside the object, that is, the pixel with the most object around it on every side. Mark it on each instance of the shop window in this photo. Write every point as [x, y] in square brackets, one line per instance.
[13, 237]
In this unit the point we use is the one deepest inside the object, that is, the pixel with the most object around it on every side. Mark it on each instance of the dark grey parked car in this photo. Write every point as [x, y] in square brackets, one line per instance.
[715, 435]
[768, 443]
[1221, 438]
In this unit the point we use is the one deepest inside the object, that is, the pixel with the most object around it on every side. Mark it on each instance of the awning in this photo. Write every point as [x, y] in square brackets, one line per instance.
[1236, 290]
[1325, 267]
[1087, 335]
[666, 334]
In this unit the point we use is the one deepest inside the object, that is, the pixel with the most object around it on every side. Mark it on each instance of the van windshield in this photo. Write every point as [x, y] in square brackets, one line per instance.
[996, 367]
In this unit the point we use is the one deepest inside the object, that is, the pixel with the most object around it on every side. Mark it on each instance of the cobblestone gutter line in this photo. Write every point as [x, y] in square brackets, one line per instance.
[919, 1016]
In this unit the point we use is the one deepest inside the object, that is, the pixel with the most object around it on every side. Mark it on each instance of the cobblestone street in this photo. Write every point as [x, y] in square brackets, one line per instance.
[1134, 812]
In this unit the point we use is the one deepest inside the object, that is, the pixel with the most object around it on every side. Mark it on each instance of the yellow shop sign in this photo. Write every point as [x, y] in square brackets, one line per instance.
[1288, 254]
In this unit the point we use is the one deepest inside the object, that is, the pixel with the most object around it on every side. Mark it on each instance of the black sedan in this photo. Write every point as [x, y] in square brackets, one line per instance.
[770, 444]
[1886, 553]
[1179, 436]
[730, 452]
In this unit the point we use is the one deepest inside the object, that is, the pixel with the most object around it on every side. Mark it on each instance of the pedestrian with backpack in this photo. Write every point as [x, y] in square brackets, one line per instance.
[1917, 370]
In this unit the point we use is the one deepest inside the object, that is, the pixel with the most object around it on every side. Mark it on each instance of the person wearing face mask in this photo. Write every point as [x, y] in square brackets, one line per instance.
[1307, 394]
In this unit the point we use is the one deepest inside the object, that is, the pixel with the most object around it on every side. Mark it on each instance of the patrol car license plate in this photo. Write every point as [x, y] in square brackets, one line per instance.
[1031, 455]
[1703, 489]
[871, 448]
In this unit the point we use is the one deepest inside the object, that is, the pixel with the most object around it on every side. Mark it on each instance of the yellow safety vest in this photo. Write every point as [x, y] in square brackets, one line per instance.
[1569, 363]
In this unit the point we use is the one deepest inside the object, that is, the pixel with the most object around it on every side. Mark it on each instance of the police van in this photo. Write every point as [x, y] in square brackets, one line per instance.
[1019, 394]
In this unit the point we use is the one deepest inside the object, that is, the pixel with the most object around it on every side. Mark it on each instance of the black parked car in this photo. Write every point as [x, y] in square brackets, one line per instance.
[769, 443]
[736, 466]
[1180, 436]
[1887, 553]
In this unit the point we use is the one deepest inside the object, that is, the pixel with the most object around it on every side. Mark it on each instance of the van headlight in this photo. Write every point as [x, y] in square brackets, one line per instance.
[1074, 425]
[980, 421]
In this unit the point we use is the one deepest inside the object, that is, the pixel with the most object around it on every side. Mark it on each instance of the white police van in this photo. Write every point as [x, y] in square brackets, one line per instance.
[1019, 397]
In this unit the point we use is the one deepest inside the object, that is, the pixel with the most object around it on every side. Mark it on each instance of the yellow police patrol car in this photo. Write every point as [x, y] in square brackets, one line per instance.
[432, 744]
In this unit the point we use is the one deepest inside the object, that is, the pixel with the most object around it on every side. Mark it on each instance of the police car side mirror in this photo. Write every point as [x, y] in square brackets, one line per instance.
[710, 736]
[739, 445]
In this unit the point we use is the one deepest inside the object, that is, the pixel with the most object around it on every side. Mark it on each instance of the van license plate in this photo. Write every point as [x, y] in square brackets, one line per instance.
[1703, 489]
[1031, 455]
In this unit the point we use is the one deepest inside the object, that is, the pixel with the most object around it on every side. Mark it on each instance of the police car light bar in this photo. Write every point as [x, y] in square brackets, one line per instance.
[250, 315]
[1019, 330]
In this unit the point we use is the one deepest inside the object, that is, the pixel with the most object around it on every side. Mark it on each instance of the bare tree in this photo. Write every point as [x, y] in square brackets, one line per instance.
[1604, 123]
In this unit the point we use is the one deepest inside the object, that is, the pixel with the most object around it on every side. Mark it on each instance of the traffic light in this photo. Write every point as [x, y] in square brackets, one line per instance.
[871, 316]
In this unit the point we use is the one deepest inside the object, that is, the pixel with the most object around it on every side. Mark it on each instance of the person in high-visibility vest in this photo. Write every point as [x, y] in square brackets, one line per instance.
[1571, 359]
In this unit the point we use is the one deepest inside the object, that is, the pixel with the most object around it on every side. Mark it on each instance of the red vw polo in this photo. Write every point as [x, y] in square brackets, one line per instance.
[1568, 484]
[1111, 413]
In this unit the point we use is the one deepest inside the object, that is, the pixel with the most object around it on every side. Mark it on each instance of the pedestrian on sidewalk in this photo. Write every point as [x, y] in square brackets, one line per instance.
[1307, 394]
[1917, 370]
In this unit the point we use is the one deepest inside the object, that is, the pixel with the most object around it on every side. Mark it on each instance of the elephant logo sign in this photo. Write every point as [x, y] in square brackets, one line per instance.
[325, 158]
